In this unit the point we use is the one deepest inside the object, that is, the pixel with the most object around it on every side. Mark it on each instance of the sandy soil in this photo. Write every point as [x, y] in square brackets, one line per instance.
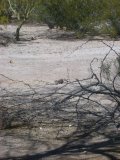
[47, 60]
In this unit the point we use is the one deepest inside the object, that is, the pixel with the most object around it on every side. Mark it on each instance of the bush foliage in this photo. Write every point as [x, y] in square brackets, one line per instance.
[83, 16]
[86, 16]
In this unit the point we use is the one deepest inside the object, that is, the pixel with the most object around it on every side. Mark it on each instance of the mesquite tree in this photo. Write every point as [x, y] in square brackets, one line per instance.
[21, 9]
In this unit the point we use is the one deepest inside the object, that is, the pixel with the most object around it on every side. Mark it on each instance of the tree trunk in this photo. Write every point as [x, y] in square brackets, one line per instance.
[17, 35]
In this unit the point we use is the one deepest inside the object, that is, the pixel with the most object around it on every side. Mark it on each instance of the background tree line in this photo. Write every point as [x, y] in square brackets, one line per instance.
[82, 16]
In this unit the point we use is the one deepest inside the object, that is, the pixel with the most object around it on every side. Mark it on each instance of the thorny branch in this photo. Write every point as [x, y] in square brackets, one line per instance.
[93, 101]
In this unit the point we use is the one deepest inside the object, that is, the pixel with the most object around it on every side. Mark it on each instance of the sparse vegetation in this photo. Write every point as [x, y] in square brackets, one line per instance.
[88, 16]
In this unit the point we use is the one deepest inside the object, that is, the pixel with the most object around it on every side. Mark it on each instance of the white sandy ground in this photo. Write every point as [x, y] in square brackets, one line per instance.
[47, 60]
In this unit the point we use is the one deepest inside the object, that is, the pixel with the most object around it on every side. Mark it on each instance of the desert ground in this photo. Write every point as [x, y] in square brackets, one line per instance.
[42, 58]
[46, 60]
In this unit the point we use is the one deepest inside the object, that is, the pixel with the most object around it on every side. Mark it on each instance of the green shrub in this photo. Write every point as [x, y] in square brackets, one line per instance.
[77, 15]
[3, 16]
[112, 15]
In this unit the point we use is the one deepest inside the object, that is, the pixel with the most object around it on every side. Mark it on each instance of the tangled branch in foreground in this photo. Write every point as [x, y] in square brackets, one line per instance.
[90, 105]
